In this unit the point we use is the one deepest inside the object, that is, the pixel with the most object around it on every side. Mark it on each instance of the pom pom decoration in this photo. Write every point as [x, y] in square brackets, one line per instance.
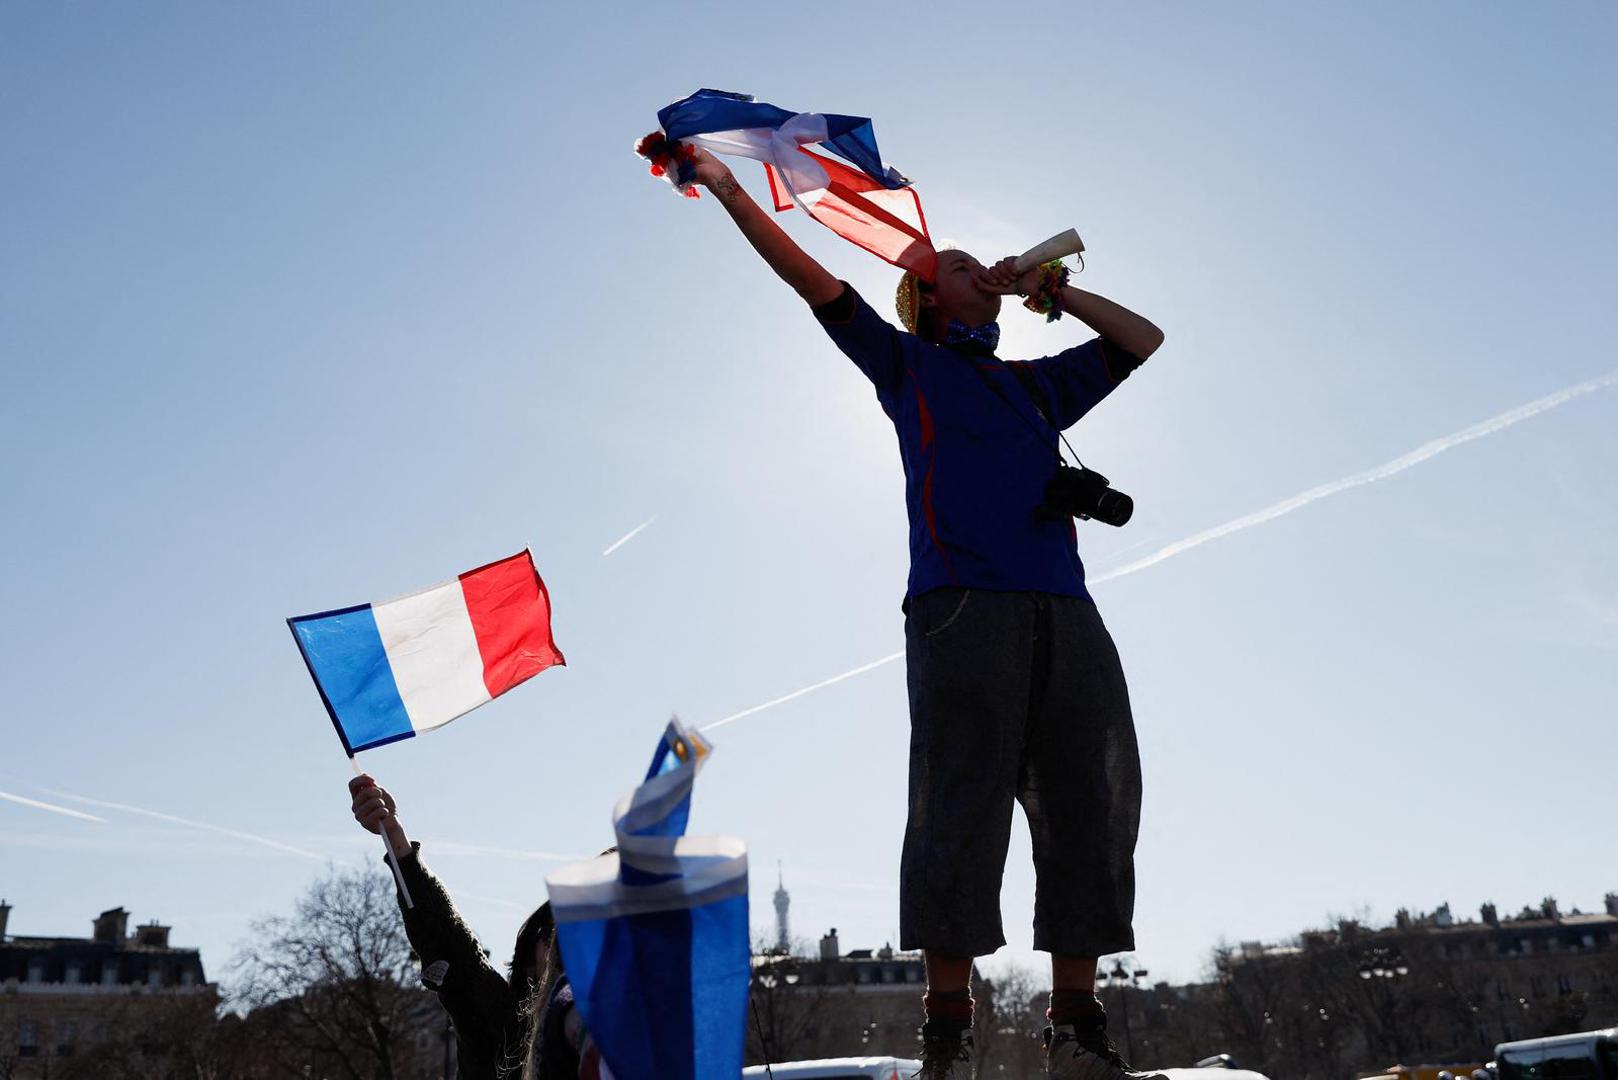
[1044, 298]
[671, 159]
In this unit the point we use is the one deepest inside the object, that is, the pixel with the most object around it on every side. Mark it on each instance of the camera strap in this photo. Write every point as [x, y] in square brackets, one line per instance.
[1029, 381]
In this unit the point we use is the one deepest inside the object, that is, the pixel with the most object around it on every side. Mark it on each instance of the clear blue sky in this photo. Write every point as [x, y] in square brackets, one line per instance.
[307, 305]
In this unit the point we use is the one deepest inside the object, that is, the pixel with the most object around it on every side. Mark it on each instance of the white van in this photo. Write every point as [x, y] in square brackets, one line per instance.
[1202, 1072]
[886, 1068]
[854, 1068]
[1589, 1055]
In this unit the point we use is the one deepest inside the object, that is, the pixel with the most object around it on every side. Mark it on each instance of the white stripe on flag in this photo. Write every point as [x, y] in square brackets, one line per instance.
[714, 868]
[434, 653]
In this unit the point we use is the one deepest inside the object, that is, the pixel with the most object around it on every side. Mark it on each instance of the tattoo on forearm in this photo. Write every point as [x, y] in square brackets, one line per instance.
[727, 189]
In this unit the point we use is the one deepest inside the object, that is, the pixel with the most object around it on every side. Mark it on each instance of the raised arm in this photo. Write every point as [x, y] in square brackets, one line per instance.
[1118, 325]
[452, 958]
[1133, 333]
[811, 280]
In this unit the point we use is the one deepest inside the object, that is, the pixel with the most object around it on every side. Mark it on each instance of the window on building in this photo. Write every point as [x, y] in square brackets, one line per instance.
[109, 973]
[36, 971]
[72, 974]
[154, 976]
[188, 977]
[1589, 941]
[28, 1038]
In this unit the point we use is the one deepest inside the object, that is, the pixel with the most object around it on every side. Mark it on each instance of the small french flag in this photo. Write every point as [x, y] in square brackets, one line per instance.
[391, 670]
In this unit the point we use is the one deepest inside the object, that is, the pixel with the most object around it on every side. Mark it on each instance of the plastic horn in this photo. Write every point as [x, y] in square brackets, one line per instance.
[1059, 246]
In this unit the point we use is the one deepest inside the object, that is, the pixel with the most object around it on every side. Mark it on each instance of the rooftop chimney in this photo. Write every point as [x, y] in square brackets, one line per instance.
[1442, 918]
[830, 949]
[5, 913]
[1548, 906]
[152, 936]
[1401, 918]
[111, 926]
[1491, 917]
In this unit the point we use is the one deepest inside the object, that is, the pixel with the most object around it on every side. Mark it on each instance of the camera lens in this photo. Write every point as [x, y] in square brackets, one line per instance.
[1113, 507]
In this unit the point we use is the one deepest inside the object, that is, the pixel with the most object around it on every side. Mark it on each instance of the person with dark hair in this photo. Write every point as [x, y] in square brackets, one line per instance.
[1016, 690]
[560, 1046]
[492, 1014]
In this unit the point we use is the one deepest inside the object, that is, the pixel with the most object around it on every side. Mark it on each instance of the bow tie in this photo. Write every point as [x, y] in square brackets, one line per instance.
[986, 336]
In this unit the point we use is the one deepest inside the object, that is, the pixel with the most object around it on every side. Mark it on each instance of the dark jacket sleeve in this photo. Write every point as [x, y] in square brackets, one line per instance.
[1082, 376]
[874, 344]
[476, 996]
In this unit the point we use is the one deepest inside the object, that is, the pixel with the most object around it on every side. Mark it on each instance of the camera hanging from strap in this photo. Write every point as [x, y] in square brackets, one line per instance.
[1070, 492]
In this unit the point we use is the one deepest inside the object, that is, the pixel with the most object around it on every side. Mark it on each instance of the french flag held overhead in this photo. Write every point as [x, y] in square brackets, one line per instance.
[860, 198]
[391, 670]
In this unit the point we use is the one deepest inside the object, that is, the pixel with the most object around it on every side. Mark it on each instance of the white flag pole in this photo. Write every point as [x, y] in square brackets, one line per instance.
[387, 842]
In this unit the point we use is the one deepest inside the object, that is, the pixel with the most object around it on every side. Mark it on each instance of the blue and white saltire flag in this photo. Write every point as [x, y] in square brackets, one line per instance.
[655, 937]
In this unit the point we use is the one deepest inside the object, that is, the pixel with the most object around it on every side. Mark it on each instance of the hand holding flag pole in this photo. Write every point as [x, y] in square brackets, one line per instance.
[392, 818]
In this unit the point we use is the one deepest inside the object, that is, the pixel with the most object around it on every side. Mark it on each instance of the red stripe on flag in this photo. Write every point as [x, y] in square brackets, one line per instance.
[511, 617]
[778, 190]
[887, 222]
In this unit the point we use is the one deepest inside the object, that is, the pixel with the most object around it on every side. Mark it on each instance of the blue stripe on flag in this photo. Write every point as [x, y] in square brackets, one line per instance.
[850, 137]
[718, 110]
[345, 655]
[633, 982]
[721, 970]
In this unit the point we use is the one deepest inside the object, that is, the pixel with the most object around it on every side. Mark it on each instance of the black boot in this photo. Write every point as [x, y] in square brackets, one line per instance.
[943, 1047]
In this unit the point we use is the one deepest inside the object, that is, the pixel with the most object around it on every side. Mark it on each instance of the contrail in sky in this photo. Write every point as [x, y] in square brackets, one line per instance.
[37, 805]
[1270, 513]
[1369, 476]
[188, 823]
[498, 901]
[627, 537]
[442, 847]
[784, 698]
